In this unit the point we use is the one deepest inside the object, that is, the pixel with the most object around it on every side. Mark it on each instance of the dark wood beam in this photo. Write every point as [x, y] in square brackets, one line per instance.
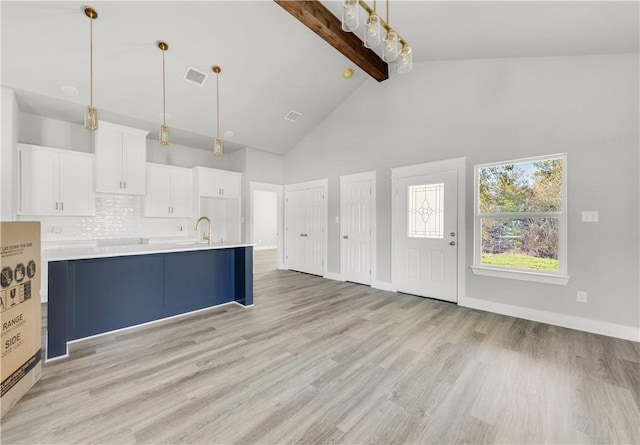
[321, 21]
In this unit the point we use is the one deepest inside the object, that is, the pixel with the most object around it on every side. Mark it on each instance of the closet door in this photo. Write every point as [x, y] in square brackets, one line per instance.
[304, 250]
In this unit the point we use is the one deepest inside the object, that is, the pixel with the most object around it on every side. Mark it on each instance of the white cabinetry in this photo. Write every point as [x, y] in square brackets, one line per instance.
[218, 194]
[121, 158]
[216, 183]
[55, 182]
[169, 191]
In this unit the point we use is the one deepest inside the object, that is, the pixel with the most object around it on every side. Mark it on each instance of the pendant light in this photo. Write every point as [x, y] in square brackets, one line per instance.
[350, 15]
[218, 148]
[372, 29]
[163, 135]
[405, 60]
[91, 114]
[390, 45]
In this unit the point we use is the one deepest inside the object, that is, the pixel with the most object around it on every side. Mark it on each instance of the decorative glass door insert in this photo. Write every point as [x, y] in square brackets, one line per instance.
[426, 211]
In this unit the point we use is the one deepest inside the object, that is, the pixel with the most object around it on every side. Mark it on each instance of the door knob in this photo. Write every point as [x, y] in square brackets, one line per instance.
[346, 237]
[452, 243]
[453, 233]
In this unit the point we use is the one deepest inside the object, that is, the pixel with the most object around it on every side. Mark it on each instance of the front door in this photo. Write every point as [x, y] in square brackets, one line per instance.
[427, 244]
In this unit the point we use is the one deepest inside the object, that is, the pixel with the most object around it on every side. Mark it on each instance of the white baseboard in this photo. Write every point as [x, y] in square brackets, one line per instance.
[334, 276]
[383, 285]
[565, 321]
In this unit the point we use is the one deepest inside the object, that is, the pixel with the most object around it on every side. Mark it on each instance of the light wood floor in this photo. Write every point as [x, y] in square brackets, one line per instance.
[319, 361]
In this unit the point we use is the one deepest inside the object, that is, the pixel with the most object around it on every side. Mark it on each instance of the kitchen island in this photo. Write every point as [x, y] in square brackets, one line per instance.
[94, 290]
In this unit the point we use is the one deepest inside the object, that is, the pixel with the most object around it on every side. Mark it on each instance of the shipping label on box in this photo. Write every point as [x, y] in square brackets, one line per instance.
[21, 362]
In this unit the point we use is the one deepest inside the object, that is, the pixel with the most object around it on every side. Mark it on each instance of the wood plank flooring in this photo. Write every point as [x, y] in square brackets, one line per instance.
[319, 361]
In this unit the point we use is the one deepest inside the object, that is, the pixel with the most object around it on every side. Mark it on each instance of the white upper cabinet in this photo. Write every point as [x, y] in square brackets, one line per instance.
[214, 183]
[121, 158]
[55, 182]
[169, 191]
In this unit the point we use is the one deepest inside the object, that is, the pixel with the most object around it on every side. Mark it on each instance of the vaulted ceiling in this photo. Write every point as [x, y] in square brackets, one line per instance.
[271, 63]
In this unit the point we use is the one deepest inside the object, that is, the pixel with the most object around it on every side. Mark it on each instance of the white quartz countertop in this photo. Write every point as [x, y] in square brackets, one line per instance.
[63, 253]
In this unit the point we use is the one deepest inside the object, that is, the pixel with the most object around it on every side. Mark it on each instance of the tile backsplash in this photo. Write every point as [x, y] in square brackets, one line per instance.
[117, 216]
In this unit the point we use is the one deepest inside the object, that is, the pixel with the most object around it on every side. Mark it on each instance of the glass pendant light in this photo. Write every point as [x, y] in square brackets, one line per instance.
[163, 135]
[91, 114]
[218, 148]
[390, 47]
[405, 60]
[350, 15]
[372, 31]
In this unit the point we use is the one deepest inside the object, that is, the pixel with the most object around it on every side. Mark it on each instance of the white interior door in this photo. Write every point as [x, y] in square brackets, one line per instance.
[427, 242]
[305, 230]
[294, 230]
[356, 231]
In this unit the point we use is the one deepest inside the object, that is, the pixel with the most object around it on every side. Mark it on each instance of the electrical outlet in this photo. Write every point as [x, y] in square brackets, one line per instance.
[590, 216]
[582, 296]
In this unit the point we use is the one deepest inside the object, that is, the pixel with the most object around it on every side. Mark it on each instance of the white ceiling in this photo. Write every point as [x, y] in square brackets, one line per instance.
[270, 62]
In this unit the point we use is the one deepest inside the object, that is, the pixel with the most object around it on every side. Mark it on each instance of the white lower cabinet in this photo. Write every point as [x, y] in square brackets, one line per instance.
[169, 191]
[55, 182]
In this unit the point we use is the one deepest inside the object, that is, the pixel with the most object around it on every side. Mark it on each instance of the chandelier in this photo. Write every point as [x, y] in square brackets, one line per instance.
[394, 48]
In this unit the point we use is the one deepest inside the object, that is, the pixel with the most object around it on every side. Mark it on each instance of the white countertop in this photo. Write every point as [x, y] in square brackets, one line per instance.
[84, 252]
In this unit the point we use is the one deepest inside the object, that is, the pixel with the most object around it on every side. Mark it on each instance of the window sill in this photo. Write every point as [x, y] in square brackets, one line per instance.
[537, 277]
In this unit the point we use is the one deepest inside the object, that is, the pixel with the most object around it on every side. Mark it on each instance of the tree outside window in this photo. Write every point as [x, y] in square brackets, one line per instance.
[520, 215]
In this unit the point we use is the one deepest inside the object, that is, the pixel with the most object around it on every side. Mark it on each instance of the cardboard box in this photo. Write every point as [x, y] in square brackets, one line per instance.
[21, 362]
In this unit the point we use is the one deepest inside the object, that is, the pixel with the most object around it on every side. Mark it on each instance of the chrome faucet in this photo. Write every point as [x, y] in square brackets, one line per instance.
[209, 237]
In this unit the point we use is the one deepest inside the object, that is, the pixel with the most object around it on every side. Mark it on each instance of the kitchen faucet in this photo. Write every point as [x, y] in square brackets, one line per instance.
[209, 237]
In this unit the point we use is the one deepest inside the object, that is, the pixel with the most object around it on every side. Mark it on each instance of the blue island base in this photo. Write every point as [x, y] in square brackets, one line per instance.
[98, 295]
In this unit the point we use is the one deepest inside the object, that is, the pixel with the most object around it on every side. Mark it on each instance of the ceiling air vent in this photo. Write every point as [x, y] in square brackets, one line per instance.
[194, 76]
[292, 116]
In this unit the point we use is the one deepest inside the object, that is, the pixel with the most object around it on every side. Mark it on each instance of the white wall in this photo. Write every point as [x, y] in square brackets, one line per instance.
[8, 156]
[495, 110]
[265, 214]
[55, 133]
[256, 166]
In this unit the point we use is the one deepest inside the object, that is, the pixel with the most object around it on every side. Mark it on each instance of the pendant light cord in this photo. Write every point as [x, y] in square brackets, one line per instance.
[388, 13]
[164, 107]
[91, 60]
[217, 106]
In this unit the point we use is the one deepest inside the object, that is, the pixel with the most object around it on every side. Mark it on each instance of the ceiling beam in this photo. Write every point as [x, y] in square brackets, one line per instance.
[320, 20]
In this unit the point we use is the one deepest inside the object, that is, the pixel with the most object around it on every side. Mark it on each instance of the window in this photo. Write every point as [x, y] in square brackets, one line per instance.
[426, 211]
[520, 219]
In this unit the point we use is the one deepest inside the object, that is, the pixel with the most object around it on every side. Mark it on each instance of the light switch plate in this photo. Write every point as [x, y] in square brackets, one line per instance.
[590, 216]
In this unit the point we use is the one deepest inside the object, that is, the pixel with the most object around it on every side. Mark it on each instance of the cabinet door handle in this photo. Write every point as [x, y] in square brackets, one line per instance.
[120, 184]
[56, 205]
[62, 206]
[125, 184]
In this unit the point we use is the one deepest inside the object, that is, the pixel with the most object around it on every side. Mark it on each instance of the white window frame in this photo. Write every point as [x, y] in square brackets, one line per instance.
[560, 277]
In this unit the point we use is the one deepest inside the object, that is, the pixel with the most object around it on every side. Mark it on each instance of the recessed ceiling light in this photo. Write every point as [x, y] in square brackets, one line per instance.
[69, 90]
[228, 134]
[166, 116]
[347, 73]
